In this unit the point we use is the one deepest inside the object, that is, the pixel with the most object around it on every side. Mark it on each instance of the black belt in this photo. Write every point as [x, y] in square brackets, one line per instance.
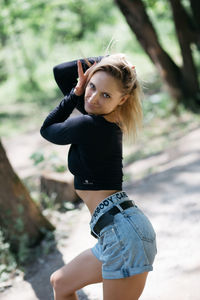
[108, 217]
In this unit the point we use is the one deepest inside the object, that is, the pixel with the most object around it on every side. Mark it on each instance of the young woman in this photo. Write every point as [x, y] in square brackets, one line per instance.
[108, 96]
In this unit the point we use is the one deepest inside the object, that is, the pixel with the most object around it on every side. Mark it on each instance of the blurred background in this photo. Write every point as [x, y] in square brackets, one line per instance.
[161, 38]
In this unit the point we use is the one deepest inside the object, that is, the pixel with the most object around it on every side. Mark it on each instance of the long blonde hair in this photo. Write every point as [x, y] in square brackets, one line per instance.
[129, 114]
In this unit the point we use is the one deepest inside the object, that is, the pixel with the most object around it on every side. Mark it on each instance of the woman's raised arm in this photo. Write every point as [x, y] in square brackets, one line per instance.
[66, 74]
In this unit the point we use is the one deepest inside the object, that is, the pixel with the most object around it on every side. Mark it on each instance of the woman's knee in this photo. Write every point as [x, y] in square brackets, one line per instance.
[59, 282]
[55, 279]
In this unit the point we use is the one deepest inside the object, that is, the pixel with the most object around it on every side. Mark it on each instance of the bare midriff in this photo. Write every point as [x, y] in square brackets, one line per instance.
[93, 198]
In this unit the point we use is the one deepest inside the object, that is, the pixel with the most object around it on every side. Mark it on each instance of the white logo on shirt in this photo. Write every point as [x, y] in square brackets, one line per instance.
[87, 182]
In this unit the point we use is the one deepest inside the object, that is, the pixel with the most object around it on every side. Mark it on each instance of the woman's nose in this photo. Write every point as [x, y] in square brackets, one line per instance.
[93, 98]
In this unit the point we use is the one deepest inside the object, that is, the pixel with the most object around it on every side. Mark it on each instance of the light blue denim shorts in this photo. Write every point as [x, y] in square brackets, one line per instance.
[127, 246]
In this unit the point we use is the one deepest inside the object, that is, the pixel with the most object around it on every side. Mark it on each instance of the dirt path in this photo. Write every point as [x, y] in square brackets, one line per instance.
[170, 197]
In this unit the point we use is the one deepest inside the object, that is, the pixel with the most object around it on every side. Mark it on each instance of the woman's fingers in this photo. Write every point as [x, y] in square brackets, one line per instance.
[80, 70]
[81, 74]
[82, 78]
[79, 89]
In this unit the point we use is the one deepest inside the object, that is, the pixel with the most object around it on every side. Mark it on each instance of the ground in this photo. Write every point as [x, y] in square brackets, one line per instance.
[169, 195]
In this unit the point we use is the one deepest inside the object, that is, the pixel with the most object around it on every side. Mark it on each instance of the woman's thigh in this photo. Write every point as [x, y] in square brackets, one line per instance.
[84, 269]
[129, 288]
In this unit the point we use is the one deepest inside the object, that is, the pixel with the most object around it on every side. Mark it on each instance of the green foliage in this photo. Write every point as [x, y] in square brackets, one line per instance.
[56, 21]
[53, 161]
[23, 251]
[47, 244]
[7, 260]
[11, 264]
[37, 157]
[157, 105]
[48, 202]
[75, 18]
[160, 8]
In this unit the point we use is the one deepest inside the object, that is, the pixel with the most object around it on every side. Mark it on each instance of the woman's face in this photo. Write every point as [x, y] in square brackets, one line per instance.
[102, 94]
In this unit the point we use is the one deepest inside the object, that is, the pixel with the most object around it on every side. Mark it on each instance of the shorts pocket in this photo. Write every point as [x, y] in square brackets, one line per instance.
[109, 240]
[106, 230]
[142, 226]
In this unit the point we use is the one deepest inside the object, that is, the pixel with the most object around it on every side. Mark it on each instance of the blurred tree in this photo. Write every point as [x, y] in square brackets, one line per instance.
[20, 219]
[71, 20]
[182, 82]
[30, 29]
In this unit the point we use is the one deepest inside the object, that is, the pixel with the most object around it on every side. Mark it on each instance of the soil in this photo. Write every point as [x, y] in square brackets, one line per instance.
[169, 194]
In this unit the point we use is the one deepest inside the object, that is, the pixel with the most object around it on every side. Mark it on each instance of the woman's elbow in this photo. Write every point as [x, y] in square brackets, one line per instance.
[53, 137]
[44, 133]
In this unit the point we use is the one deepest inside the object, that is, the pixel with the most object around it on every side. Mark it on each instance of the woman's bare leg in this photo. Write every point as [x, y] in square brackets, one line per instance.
[129, 288]
[82, 270]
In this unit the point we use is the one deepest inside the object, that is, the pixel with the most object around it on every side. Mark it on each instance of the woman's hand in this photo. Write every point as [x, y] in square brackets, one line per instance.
[80, 87]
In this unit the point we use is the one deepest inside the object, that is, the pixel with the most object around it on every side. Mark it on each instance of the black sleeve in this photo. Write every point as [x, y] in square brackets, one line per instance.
[61, 130]
[66, 75]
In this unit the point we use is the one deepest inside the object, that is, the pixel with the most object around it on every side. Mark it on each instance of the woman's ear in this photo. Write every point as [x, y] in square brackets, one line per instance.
[123, 99]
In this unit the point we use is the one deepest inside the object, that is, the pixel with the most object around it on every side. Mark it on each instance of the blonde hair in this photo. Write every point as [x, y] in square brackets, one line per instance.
[129, 115]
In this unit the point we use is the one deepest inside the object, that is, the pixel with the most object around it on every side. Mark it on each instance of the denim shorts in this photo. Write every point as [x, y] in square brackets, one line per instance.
[127, 246]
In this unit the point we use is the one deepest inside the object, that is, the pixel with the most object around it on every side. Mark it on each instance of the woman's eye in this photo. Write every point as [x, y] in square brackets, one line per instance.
[92, 85]
[106, 95]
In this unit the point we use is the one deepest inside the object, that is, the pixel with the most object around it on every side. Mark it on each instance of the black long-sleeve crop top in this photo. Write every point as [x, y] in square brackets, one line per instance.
[95, 155]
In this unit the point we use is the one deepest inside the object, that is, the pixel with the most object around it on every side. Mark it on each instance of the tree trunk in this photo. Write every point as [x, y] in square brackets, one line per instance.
[183, 33]
[195, 7]
[20, 218]
[194, 22]
[140, 24]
